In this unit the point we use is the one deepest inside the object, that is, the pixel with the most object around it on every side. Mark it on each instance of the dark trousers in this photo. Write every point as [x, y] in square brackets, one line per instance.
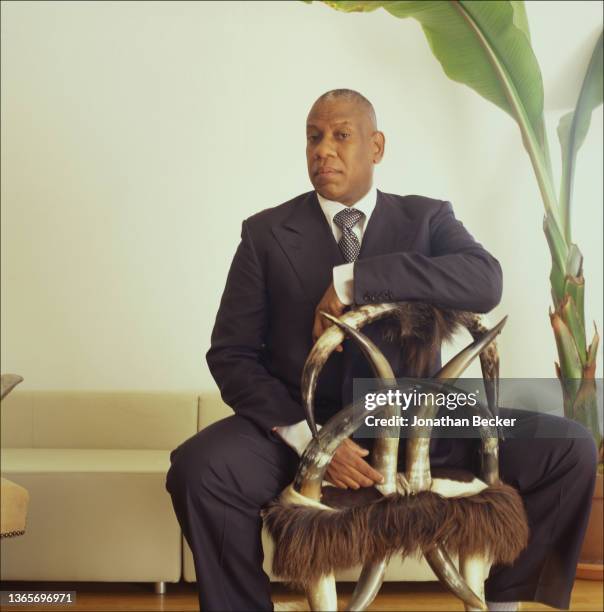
[221, 477]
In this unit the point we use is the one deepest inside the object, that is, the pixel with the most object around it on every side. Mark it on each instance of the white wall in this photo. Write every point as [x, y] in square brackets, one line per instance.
[137, 136]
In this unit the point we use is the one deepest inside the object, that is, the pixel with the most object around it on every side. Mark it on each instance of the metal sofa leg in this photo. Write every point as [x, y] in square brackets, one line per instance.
[160, 588]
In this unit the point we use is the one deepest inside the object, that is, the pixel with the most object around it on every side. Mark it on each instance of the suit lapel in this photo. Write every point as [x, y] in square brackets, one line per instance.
[309, 245]
[389, 229]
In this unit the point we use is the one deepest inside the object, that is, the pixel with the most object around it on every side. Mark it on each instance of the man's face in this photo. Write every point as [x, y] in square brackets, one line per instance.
[342, 146]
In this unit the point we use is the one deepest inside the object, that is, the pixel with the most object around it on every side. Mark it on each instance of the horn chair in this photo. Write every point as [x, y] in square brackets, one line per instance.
[319, 529]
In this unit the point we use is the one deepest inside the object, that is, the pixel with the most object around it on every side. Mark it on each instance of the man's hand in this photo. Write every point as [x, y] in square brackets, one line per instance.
[331, 304]
[348, 469]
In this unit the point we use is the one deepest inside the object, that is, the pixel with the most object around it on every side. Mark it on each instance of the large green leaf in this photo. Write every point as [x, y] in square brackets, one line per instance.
[485, 45]
[573, 128]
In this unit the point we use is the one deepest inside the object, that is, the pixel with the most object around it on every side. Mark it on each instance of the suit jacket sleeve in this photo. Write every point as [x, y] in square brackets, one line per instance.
[238, 337]
[459, 273]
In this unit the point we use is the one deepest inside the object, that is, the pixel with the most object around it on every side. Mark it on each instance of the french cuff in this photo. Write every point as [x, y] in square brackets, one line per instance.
[343, 282]
[297, 435]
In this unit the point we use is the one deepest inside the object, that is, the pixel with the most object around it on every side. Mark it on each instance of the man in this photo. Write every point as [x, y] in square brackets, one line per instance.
[347, 243]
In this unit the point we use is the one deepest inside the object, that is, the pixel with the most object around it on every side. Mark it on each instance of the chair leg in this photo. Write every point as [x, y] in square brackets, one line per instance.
[322, 595]
[368, 586]
[160, 587]
[475, 570]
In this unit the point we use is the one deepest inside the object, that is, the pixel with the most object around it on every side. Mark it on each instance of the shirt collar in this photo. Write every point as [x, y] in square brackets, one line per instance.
[366, 205]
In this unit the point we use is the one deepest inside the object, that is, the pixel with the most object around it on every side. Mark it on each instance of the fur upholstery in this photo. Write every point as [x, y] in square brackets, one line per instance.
[311, 542]
[420, 329]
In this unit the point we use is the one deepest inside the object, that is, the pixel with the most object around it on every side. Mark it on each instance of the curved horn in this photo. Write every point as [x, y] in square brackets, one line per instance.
[475, 570]
[322, 594]
[417, 471]
[444, 568]
[320, 450]
[384, 456]
[326, 345]
[368, 585]
[455, 367]
[489, 361]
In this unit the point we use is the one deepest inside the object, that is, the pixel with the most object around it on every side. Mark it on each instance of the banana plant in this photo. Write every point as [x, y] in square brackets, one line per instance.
[486, 45]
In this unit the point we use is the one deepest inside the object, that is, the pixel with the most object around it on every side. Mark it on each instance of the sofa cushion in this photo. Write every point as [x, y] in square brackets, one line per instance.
[212, 409]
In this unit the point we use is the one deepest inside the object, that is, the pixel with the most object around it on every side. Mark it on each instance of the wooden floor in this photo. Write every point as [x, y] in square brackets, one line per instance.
[132, 597]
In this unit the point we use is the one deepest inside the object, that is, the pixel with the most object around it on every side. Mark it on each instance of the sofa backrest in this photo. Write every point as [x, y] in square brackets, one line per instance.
[98, 419]
[211, 409]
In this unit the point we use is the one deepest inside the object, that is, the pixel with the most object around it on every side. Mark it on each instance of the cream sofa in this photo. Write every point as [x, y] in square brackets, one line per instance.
[95, 464]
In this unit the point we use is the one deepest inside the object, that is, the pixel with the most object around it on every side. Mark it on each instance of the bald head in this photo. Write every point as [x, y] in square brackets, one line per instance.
[353, 97]
[342, 145]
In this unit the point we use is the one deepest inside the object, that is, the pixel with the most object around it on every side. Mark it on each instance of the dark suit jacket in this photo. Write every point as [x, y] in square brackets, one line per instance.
[413, 248]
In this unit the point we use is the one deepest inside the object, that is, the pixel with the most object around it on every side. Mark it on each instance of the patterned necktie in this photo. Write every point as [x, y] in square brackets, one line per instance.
[349, 244]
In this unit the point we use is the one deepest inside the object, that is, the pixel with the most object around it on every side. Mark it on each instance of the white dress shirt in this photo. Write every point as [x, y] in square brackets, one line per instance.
[299, 435]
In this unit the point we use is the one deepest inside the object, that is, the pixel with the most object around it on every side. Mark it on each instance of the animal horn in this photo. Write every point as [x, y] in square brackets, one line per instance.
[384, 458]
[320, 451]
[326, 345]
[489, 361]
[445, 569]
[368, 585]
[371, 577]
[322, 594]
[418, 446]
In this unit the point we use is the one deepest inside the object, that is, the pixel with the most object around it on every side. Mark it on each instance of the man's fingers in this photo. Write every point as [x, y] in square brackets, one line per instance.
[356, 448]
[333, 478]
[352, 455]
[366, 470]
[317, 329]
[347, 466]
[351, 482]
[320, 324]
[358, 478]
[349, 476]
[347, 480]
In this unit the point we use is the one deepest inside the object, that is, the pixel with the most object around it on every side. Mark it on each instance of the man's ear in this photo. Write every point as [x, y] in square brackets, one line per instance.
[379, 144]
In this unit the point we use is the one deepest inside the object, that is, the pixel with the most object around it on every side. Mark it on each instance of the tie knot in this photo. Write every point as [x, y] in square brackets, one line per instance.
[347, 218]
